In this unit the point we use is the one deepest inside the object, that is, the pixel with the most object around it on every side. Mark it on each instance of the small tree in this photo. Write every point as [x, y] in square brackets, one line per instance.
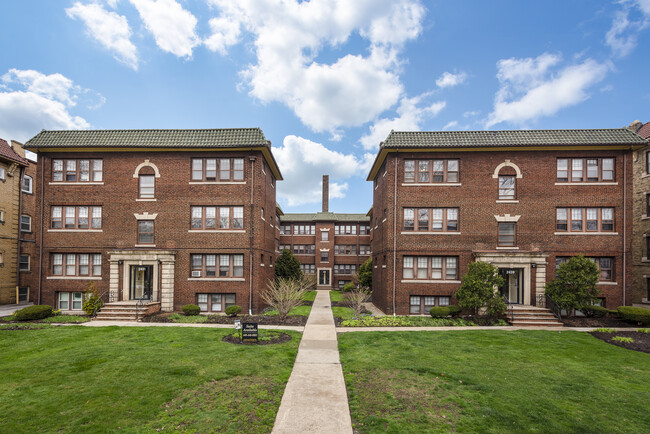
[283, 295]
[287, 266]
[364, 275]
[92, 301]
[478, 290]
[575, 284]
[355, 300]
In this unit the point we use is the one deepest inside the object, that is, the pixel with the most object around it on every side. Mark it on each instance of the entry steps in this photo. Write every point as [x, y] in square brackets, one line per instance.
[531, 316]
[126, 311]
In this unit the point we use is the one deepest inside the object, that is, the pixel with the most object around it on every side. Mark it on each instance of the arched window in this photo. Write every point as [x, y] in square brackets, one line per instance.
[146, 173]
[507, 174]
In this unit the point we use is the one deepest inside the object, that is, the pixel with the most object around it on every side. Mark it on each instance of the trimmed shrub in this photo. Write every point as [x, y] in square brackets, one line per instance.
[439, 312]
[233, 310]
[634, 314]
[28, 313]
[454, 310]
[92, 301]
[191, 309]
[348, 287]
[596, 311]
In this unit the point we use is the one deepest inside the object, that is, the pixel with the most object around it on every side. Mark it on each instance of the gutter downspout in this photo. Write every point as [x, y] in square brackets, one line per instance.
[251, 259]
[395, 235]
[624, 225]
[40, 165]
[18, 238]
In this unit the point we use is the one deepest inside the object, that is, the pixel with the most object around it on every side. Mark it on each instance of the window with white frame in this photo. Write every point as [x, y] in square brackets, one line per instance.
[226, 266]
[507, 234]
[213, 169]
[430, 267]
[308, 268]
[2, 174]
[25, 223]
[205, 218]
[422, 304]
[24, 263]
[507, 187]
[584, 219]
[77, 170]
[70, 300]
[76, 217]
[430, 171]
[585, 169]
[215, 302]
[76, 264]
[27, 184]
[147, 186]
[430, 220]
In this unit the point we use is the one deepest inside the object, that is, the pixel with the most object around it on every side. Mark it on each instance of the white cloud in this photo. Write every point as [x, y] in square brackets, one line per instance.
[410, 117]
[172, 27]
[288, 38]
[622, 36]
[31, 101]
[471, 113]
[109, 29]
[303, 162]
[529, 88]
[449, 79]
[450, 125]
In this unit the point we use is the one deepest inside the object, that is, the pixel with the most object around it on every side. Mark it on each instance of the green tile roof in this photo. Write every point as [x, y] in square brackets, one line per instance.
[324, 216]
[208, 138]
[459, 139]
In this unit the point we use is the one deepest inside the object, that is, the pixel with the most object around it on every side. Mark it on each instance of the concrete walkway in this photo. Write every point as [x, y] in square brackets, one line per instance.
[8, 309]
[315, 399]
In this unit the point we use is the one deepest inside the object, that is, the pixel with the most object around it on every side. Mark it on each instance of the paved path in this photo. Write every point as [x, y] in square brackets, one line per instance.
[8, 309]
[315, 399]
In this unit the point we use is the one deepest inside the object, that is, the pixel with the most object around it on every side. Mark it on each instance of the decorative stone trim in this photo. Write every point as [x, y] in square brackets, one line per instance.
[146, 163]
[146, 216]
[507, 218]
[507, 163]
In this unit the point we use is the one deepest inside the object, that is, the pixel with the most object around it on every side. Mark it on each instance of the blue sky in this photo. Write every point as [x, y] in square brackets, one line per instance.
[326, 80]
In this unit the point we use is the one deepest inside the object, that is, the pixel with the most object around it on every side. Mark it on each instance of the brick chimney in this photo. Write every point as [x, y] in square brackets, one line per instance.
[326, 192]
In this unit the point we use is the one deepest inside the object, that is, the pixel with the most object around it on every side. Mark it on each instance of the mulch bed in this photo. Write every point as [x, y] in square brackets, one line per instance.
[280, 339]
[641, 340]
[220, 319]
[583, 321]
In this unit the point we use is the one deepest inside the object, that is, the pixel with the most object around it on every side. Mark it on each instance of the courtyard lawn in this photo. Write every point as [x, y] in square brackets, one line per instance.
[494, 381]
[343, 312]
[336, 296]
[81, 379]
[309, 296]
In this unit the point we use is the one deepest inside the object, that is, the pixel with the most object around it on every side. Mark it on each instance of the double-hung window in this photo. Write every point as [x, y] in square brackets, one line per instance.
[584, 219]
[431, 171]
[77, 170]
[215, 302]
[430, 267]
[217, 169]
[147, 186]
[27, 184]
[431, 219]
[145, 232]
[70, 300]
[507, 187]
[217, 217]
[585, 169]
[76, 264]
[507, 234]
[25, 223]
[422, 304]
[76, 217]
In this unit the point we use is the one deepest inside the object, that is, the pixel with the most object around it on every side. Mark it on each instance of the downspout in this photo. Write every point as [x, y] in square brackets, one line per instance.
[18, 240]
[624, 224]
[41, 165]
[394, 235]
[252, 224]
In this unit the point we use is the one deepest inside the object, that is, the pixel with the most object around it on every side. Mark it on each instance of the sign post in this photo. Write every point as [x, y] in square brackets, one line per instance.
[238, 327]
[249, 332]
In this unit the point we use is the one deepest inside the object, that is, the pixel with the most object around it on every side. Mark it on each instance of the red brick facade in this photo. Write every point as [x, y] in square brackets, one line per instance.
[476, 196]
[175, 193]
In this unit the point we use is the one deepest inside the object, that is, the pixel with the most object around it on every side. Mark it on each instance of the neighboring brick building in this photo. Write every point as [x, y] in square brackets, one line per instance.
[330, 245]
[522, 200]
[640, 290]
[169, 216]
[15, 222]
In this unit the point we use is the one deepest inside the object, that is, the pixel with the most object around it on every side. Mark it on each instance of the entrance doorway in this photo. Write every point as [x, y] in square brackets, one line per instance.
[323, 277]
[141, 282]
[513, 287]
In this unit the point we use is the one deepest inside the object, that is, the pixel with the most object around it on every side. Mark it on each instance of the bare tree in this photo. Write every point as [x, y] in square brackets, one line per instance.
[355, 300]
[283, 295]
[308, 282]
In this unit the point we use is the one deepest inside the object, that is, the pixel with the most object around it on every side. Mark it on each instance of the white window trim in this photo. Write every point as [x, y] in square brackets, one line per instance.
[507, 218]
[146, 163]
[146, 216]
[31, 185]
[434, 184]
[21, 223]
[585, 233]
[507, 163]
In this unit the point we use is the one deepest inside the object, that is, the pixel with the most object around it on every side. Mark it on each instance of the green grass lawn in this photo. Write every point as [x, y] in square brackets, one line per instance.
[80, 379]
[336, 296]
[309, 296]
[343, 312]
[494, 381]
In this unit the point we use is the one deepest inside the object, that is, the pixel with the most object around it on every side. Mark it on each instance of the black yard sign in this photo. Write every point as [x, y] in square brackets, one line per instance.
[249, 332]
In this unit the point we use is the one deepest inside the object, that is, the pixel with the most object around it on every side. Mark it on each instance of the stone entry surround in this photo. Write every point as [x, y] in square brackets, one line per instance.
[163, 266]
[524, 260]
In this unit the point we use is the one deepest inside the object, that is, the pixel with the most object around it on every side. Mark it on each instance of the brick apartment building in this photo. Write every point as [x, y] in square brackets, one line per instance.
[640, 291]
[522, 200]
[168, 216]
[330, 245]
[16, 226]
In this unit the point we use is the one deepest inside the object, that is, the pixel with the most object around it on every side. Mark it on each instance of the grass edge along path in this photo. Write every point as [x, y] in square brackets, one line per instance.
[494, 381]
[77, 378]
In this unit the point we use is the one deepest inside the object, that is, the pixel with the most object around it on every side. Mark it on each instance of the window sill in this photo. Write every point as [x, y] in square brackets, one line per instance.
[145, 200]
[607, 283]
[77, 183]
[144, 245]
[218, 231]
[507, 248]
[586, 183]
[73, 278]
[645, 175]
[429, 281]
[217, 182]
[585, 233]
[217, 279]
[645, 217]
[430, 233]
[431, 184]
[304, 254]
[261, 265]
[75, 230]
[507, 201]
